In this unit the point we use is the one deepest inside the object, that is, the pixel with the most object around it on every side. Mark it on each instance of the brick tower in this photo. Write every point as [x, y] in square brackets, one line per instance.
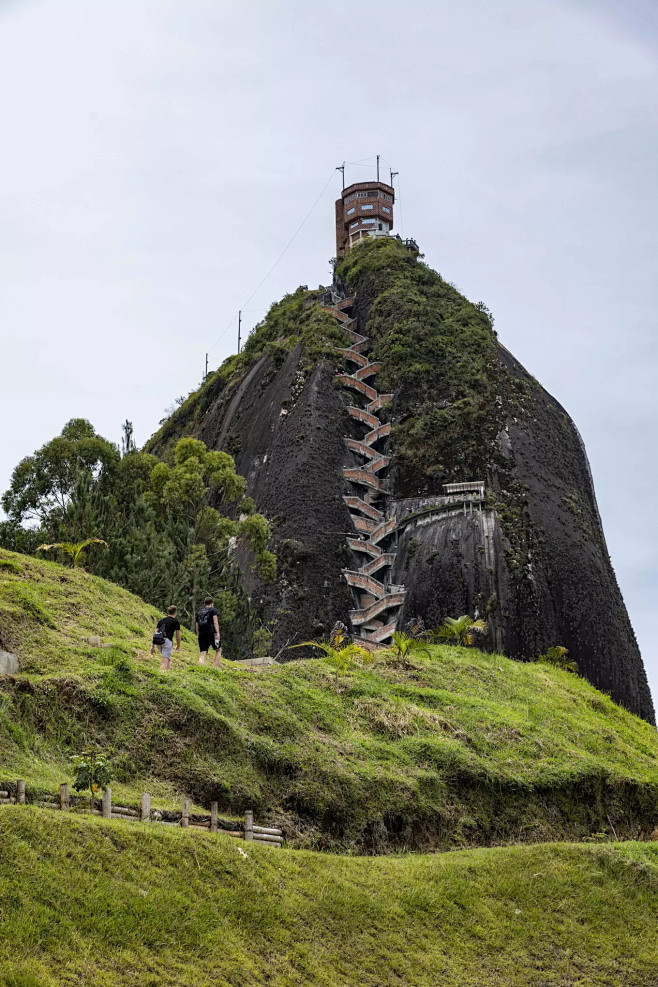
[364, 209]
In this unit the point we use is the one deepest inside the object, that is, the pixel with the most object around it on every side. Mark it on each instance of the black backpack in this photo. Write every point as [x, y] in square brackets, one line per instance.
[159, 636]
[205, 619]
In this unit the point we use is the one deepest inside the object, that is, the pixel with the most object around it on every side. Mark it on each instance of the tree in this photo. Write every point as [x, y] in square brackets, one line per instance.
[461, 630]
[559, 658]
[43, 485]
[73, 549]
[173, 531]
[262, 642]
[204, 538]
[92, 770]
[127, 439]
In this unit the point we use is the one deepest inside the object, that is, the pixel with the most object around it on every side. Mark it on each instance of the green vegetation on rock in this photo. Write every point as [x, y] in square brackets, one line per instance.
[296, 320]
[454, 748]
[87, 901]
[438, 353]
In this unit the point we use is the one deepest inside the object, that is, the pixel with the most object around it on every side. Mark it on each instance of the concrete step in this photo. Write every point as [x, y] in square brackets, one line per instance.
[380, 432]
[357, 504]
[383, 560]
[387, 602]
[337, 314]
[368, 370]
[356, 339]
[380, 463]
[363, 545]
[360, 580]
[364, 525]
[379, 402]
[354, 445]
[349, 354]
[366, 478]
[347, 380]
[364, 417]
[382, 531]
[381, 634]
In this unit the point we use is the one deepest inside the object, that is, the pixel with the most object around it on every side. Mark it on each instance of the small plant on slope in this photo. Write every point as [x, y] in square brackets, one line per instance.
[339, 655]
[404, 646]
[262, 643]
[559, 658]
[461, 630]
[92, 771]
[73, 549]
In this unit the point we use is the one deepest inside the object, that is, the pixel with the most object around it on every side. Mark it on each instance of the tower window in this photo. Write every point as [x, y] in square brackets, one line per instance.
[367, 207]
[350, 211]
[386, 209]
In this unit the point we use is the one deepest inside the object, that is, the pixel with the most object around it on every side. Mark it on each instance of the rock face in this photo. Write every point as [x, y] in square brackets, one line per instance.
[530, 556]
[539, 572]
[8, 663]
[285, 431]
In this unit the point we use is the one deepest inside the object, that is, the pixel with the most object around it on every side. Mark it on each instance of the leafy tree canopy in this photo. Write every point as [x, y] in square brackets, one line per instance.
[44, 482]
[172, 530]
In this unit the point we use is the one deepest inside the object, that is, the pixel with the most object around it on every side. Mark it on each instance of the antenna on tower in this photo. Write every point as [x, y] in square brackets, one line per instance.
[394, 174]
[341, 168]
[377, 167]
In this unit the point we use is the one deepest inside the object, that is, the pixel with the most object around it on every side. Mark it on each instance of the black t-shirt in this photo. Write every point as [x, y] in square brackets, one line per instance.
[170, 625]
[208, 625]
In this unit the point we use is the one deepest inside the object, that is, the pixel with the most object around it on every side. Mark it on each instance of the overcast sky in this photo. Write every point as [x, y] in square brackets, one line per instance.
[157, 157]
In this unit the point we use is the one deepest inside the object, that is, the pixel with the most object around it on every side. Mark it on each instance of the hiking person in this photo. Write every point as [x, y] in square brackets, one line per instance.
[163, 639]
[207, 629]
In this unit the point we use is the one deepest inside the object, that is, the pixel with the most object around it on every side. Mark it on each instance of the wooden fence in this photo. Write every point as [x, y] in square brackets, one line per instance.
[211, 822]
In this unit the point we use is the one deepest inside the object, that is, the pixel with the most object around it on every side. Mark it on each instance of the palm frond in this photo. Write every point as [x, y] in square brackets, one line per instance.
[74, 549]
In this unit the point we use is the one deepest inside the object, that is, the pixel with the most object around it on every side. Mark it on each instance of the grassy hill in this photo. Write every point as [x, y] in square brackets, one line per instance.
[460, 749]
[87, 901]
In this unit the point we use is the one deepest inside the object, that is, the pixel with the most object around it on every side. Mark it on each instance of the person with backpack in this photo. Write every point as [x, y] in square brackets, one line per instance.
[207, 629]
[163, 639]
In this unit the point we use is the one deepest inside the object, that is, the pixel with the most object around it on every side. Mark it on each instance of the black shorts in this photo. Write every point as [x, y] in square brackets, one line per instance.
[207, 641]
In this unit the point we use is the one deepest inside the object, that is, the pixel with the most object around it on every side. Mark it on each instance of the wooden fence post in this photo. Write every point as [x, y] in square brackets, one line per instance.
[64, 800]
[145, 812]
[249, 825]
[20, 791]
[107, 803]
[185, 817]
[214, 812]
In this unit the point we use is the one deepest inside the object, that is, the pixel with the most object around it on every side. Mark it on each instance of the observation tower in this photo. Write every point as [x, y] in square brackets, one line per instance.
[364, 209]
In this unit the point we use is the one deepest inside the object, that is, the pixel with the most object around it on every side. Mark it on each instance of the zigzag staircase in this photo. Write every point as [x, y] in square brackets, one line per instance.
[378, 601]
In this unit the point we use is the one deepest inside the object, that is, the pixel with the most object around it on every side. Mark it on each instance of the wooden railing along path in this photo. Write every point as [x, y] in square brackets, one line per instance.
[246, 830]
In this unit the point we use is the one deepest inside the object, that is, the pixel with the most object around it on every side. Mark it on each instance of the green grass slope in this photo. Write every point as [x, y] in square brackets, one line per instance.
[460, 749]
[86, 901]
